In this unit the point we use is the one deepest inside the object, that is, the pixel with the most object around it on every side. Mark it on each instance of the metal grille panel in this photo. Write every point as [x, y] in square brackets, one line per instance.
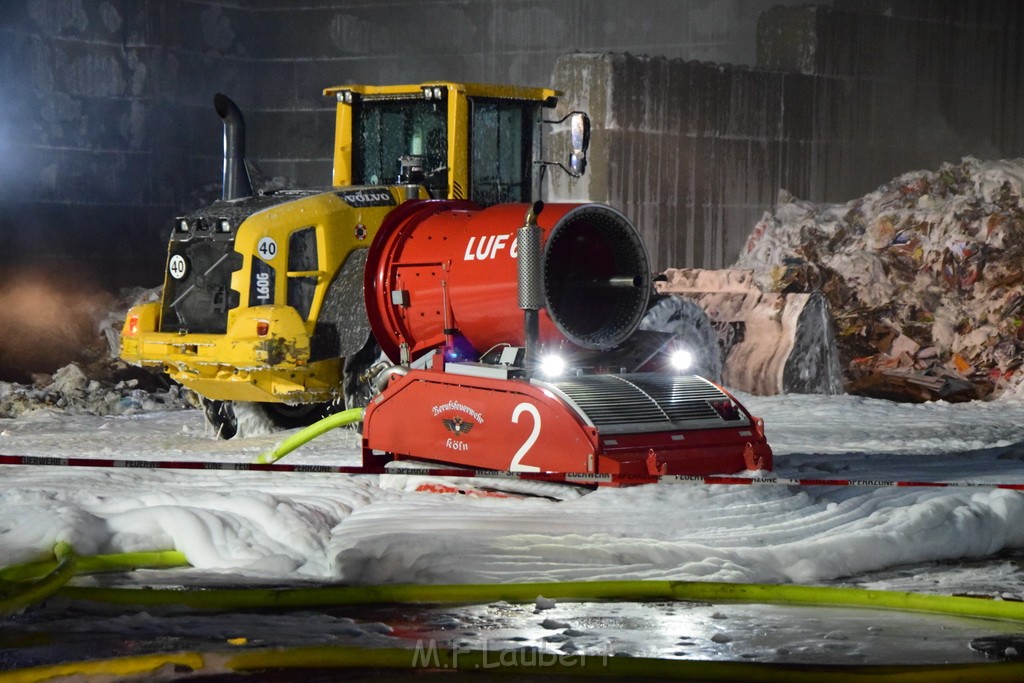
[646, 402]
[199, 302]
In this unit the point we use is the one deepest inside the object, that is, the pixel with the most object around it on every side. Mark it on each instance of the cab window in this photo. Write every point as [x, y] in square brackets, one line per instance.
[501, 151]
[386, 130]
[302, 265]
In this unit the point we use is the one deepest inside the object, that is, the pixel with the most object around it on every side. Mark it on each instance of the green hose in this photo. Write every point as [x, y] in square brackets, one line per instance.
[20, 596]
[436, 659]
[637, 591]
[345, 417]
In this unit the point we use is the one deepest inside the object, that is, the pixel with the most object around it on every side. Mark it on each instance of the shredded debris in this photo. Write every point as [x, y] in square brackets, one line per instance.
[98, 383]
[923, 276]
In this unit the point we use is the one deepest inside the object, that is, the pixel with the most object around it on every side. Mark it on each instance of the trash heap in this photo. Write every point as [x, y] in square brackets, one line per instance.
[71, 390]
[924, 278]
[97, 383]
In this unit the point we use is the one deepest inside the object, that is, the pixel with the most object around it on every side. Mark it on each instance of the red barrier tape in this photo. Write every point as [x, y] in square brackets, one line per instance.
[569, 478]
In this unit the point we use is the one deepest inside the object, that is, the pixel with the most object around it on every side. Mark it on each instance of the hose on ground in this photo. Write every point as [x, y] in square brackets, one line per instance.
[16, 597]
[94, 564]
[48, 578]
[26, 584]
[307, 434]
[634, 591]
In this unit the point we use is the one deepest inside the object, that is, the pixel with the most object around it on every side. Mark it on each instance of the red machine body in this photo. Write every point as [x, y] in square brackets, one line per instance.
[537, 426]
[442, 276]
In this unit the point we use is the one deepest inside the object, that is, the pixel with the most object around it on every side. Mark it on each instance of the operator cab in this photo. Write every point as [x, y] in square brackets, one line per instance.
[459, 141]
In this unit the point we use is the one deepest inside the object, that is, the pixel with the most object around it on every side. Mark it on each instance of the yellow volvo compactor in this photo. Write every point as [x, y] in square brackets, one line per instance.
[262, 307]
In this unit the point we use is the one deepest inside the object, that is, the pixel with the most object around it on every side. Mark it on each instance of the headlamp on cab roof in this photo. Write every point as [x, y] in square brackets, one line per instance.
[434, 92]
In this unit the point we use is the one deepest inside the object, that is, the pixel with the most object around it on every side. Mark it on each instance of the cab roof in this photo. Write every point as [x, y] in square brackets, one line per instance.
[547, 96]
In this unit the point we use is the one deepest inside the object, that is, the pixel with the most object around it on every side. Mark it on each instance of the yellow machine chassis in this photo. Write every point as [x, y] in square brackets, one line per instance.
[236, 366]
[241, 365]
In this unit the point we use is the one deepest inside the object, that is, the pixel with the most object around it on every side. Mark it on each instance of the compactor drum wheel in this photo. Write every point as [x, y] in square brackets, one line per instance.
[229, 419]
[220, 415]
[355, 383]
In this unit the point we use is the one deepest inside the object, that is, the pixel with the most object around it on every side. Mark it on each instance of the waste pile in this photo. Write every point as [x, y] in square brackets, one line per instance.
[70, 390]
[924, 278]
[97, 383]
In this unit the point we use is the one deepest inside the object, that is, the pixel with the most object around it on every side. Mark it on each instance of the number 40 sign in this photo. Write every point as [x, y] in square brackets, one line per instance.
[267, 248]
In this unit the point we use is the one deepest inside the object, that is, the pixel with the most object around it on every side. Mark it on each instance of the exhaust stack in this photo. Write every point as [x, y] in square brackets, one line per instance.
[236, 183]
[530, 281]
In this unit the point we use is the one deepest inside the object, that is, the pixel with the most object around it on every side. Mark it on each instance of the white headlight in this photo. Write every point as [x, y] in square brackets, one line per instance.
[681, 360]
[552, 365]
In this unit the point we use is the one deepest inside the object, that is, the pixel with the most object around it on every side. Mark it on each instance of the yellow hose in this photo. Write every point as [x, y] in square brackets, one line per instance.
[637, 591]
[428, 656]
[21, 596]
[104, 669]
[25, 584]
[345, 417]
[822, 596]
[162, 559]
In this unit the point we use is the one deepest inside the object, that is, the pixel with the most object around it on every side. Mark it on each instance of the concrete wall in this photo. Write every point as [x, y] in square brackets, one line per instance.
[107, 129]
[309, 45]
[909, 88]
[842, 101]
[692, 152]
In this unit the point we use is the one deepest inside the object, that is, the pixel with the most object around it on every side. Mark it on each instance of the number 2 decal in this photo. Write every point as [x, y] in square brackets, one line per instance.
[517, 465]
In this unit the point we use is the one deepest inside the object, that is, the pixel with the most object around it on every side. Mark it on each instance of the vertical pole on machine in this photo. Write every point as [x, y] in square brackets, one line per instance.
[529, 280]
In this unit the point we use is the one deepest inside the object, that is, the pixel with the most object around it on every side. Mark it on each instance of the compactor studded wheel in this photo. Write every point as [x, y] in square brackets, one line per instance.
[221, 416]
[357, 386]
[228, 418]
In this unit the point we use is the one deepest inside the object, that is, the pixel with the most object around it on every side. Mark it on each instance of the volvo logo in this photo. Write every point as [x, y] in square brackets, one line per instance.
[371, 196]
